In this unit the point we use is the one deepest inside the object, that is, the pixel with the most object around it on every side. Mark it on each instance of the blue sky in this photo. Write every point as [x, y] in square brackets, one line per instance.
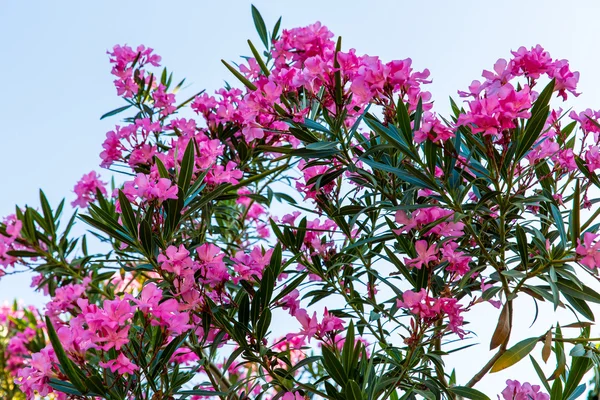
[56, 77]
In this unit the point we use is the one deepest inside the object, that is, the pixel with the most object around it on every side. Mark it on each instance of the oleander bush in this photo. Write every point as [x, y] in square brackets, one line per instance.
[314, 230]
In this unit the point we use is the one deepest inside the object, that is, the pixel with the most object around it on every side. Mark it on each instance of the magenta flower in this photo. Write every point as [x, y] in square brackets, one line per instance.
[175, 260]
[589, 250]
[425, 254]
[122, 365]
[517, 391]
[86, 188]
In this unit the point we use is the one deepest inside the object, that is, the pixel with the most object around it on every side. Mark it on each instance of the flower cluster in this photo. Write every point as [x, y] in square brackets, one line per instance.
[400, 225]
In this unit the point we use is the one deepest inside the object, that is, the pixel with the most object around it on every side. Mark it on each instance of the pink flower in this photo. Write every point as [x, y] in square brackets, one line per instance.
[291, 302]
[517, 391]
[86, 188]
[112, 337]
[121, 365]
[532, 63]
[419, 303]
[292, 396]
[310, 326]
[457, 260]
[175, 260]
[164, 101]
[425, 254]
[589, 250]
[330, 323]
[224, 174]
[150, 188]
[149, 298]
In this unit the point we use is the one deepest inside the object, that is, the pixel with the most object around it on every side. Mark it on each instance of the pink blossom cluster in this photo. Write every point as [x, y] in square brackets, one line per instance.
[196, 270]
[86, 189]
[429, 309]
[497, 103]
[523, 391]
[34, 379]
[123, 59]
[8, 241]
[104, 328]
[589, 250]
[325, 330]
[435, 222]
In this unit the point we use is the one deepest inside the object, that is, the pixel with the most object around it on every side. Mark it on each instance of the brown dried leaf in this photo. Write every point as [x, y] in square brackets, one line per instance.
[502, 331]
[547, 349]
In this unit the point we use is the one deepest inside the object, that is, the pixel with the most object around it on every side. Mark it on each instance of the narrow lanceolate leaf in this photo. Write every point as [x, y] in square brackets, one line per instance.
[403, 120]
[201, 392]
[533, 129]
[259, 59]
[261, 28]
[187, 167]
[515, 354]
[584, 292]
[353, 391]
[333, 366]
[115, 111]
[348, 348]
[65, 362]
[578, 369]
[540, 373]
[547, 349]
[468, 393]
[522, 245]
[127, 215]
[238, 75]
[560, 224]
[575, 216]
[338, 74]
[48, 216]
[502, 331]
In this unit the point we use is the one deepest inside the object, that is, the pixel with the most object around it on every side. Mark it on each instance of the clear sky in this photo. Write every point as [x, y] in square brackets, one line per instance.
[56, 77]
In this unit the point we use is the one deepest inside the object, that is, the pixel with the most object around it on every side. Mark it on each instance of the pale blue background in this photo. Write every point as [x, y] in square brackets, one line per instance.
[55, 78]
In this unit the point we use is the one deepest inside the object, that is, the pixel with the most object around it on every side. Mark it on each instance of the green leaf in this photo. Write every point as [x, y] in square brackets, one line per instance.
[522, 245]
[584, 293]
[275, 33]
[560, 224]
[263, 324]
[581, 306]
[348, 349]
[259, 59]
[468, 393]
[353, 391]
[187, 167]
[127, 215]
[404, 121]
[515, 354]
[338, 74]
[241, 77]
[67, 365]
[579, 367]
[261, 28]
[533, 129]
[540, 373]
[165, 354]
[575, 215]
[557, 389]
[48, 216]
[115, 111]
[64, 387]
[333, 367]
[578, 392]
[200, 392]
